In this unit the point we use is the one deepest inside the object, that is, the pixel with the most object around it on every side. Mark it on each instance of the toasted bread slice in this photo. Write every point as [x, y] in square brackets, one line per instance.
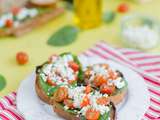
[30, 24]
[69, 116]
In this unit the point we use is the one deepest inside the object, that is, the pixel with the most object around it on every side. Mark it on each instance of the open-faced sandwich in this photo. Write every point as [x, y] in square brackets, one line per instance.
[106, 80]
[21, 19]
[7, 5]
[64, 69]
[82, 103]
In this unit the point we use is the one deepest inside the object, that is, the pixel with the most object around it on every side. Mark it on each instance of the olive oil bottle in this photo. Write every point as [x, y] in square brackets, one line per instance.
[88, 13]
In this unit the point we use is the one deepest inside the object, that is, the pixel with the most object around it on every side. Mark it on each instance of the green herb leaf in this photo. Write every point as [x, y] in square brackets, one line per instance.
[52, 90]
[69, 6]
[105, 116]
[2, 82]
[64, 36]
[80, 73]
[49, 90]
[83, 118]
[109, 16]
[148, 22]
[72, 112]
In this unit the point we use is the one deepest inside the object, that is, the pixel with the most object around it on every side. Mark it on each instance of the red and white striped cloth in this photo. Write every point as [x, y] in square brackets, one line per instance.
[147, 65]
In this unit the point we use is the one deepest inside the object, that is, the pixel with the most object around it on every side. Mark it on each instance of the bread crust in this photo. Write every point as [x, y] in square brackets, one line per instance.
[30, 24]
[61, 112]
[68, 116]
[118, 98]
[41, 94]
[44, 4]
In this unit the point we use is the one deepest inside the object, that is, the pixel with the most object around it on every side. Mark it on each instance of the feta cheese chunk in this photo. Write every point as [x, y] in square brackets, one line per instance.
[2, 23]
[22, 14]
[119, 83]
[32, 12]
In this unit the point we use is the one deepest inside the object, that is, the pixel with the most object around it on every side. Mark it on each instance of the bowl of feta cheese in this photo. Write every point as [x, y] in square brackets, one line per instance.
[141, 32]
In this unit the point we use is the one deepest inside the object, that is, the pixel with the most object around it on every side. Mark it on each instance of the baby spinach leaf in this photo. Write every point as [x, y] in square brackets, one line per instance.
[105, 116]
[64, 36]
[109, 16]
[49, 90]
[2, 82]
[44, 85]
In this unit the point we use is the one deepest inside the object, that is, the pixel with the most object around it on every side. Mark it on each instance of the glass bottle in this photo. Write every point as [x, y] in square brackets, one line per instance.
[88, 13]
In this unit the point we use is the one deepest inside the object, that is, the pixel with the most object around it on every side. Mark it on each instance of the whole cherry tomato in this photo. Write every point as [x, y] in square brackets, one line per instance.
[122, 8]
[22, 58]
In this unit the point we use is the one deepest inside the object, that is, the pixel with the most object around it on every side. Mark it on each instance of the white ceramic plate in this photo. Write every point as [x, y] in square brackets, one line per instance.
[133, 108]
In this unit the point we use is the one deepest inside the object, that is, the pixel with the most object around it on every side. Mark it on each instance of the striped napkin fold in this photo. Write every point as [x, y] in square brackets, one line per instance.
[147, 65]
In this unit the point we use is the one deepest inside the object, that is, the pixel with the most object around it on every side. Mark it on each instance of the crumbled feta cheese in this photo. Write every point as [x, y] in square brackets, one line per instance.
[77, 94]
[99, 70]
[141, 36]
[43, 77]
[66, 107]
[68, 58]
[119, 83]
[53, 58]
[84, 109]
[102, 108]
[59, 70]
[47, 69]
[22, 14]
[32, 12]
[7, 16]
[2, 23]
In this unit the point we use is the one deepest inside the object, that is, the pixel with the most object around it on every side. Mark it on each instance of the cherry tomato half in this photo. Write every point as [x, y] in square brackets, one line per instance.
[61, 94]
[15, 10]
[88, 89]
[85, 101]
[92, 114]
[107, 89]
[9, 23]
[99, 80]
[102, 101]
[69, 103]
[74, 66]
[50, 82]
